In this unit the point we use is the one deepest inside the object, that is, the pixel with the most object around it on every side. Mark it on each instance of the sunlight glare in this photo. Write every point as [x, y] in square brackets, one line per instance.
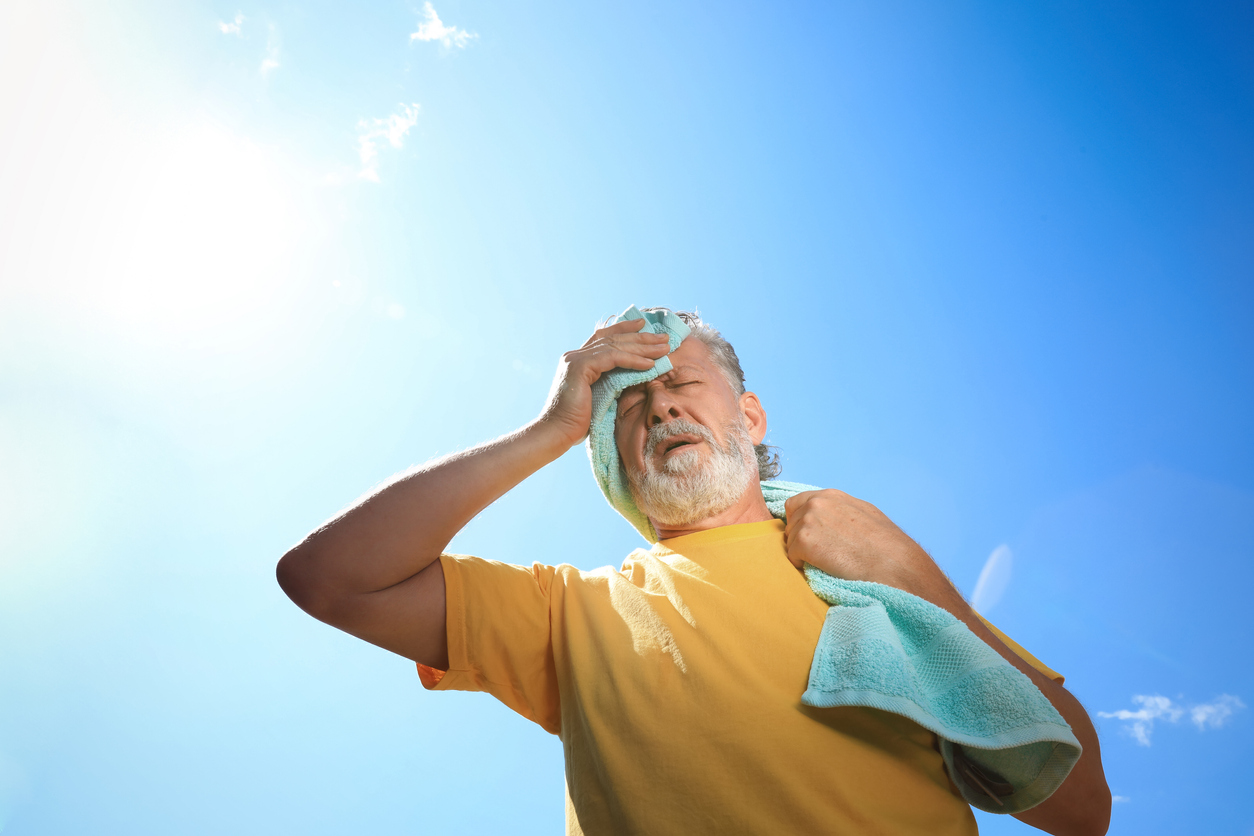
[205, 239]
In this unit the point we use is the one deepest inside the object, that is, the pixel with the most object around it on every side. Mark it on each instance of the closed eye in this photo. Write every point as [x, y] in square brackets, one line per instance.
[680, 384]
[628, 408]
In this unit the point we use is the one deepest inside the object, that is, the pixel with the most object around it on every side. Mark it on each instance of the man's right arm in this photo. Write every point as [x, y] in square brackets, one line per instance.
[373, 571]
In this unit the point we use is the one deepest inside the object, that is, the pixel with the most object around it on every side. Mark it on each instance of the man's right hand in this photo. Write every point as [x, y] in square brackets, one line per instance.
[568, 412]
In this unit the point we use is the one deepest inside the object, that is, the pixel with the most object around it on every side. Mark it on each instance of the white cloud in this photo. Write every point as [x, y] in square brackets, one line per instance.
[1216, 713]
[435, 30]
[1141, 721]
[393, 128]
[1120, 799]
[232, 28]
[994, 579]
[271, 61]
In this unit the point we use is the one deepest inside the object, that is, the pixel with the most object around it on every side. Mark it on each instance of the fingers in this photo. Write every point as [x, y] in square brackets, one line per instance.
[621, 345]
[827, 497]
[794, 503]
[588, 364]
[600, 359]
[627, 326]
[659, 344]
[642, 344]
[650, 345]
[623, 326]
[793, 550]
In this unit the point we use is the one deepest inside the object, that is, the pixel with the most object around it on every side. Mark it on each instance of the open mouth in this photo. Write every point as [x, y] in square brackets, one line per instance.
[678, 443]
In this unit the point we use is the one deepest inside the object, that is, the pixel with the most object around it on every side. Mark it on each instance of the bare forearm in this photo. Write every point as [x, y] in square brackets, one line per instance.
[399, 530]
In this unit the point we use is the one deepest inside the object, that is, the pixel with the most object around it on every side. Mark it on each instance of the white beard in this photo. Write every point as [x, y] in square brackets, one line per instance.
[686, 490]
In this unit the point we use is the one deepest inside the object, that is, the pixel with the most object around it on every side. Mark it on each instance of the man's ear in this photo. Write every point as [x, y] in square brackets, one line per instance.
[755, 416]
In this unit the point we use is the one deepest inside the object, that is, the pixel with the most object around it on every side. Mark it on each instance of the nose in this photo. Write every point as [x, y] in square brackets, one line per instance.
[662, 407]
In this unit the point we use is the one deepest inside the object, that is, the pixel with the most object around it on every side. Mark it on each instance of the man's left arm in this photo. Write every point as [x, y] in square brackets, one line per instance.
[852, 539]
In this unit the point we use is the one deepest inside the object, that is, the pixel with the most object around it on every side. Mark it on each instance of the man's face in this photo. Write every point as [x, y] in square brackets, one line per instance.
[684, 441]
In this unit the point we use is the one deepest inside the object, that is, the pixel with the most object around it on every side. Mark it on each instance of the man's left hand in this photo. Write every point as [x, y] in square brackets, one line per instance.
[852, 539]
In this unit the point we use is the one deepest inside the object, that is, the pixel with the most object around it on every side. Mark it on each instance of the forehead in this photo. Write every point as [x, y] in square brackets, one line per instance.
[692, 350]
[692, 357]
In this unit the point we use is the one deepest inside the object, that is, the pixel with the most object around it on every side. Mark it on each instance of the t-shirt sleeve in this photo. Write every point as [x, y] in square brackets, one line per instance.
[1021, 653]
[499, 637]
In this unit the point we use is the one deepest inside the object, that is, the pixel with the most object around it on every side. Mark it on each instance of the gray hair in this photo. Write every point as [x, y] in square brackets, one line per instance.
[724, 355]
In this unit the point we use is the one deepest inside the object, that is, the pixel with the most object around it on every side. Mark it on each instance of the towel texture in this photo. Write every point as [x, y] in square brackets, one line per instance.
[1006, 747]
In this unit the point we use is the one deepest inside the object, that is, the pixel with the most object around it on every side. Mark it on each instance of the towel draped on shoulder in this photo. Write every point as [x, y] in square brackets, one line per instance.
[1005, 745]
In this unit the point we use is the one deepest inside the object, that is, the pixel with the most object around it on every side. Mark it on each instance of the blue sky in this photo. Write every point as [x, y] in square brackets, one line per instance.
[989, 266]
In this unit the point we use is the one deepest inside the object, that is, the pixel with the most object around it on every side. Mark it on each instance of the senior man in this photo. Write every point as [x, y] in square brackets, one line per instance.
[675, 682]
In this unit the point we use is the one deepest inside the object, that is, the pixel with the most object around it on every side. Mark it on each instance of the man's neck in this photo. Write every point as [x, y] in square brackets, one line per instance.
[751, 507]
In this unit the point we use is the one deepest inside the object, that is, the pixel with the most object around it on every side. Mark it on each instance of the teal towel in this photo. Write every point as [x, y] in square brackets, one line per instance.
[1006, 747]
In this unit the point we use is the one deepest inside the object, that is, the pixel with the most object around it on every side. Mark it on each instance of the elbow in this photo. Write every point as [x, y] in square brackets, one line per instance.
[1096, 819]
[1097, 826]
[1100, 802]
[1101, 819]
[1077, 809]
[298, 577]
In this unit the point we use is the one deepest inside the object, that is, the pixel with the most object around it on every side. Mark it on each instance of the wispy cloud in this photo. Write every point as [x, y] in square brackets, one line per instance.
[232, 28]
[1214, 714]
[393, 128]
[994, 578]
[433, 29]
[1142, 720]
[271, 61]
[1154, 708]
[1120, 799]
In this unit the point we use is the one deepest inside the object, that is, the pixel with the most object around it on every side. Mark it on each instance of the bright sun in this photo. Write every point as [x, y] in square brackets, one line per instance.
[202, 237]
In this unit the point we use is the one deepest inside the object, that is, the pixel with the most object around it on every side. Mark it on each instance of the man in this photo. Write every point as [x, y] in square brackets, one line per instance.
[674, 683]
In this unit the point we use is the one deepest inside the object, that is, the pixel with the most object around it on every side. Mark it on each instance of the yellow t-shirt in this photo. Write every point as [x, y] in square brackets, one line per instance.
[676, 685]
